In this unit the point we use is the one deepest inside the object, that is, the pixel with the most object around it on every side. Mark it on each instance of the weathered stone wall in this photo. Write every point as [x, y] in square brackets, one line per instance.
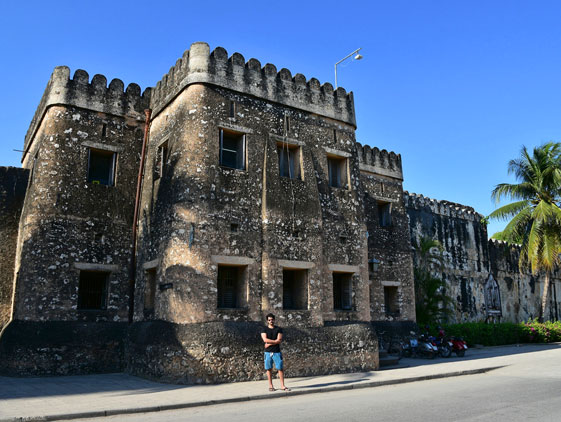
[216, 352]
[13, 183]
[469, 260]
[389, 245]
[70, 224]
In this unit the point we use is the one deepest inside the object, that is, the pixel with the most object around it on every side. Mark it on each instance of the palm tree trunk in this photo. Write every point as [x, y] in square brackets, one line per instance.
[545, 295]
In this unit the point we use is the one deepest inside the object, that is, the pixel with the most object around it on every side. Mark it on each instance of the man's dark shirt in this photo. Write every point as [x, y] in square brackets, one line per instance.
[271, 334]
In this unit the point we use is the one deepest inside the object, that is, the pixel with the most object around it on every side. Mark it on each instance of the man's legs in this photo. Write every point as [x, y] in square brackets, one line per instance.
[281, 377]
[270, 378]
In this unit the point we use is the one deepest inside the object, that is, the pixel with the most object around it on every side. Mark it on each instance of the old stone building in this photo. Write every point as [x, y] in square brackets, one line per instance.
[152, 231]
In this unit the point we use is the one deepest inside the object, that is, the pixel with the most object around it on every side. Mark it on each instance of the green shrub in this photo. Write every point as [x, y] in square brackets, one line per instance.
[505, 332]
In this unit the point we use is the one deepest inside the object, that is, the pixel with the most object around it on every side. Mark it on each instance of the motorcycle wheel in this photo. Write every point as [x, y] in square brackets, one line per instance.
[445, 352]
[461, 353]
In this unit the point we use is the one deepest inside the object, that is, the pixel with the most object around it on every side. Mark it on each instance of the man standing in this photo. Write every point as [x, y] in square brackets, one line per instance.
[272, 337]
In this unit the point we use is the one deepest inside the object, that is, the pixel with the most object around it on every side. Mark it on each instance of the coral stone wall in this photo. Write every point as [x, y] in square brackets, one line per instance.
[469, 260]
[13, 183]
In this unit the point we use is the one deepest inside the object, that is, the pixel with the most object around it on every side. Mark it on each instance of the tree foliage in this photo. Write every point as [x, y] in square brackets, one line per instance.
[432, 304]
[534, 214]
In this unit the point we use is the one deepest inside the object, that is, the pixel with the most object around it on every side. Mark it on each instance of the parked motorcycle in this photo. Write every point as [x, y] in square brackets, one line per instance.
[443, 345]
[419, 347]
[459, 346]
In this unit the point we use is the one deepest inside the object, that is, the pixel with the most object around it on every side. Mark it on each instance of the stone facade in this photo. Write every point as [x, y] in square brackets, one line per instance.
[255, 198]
[482, 276]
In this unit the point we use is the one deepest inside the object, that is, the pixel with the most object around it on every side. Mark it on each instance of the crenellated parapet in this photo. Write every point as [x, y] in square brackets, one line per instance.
[199, 65]
[95, 95]
[445, 208]
[376, 161]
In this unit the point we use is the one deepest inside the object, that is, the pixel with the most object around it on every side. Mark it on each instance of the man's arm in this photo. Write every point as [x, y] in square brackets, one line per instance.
[269, 341]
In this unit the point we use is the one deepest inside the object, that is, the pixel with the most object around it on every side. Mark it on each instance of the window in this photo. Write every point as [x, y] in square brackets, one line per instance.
[161, 159]
[384, 213]
[391, 302]
[150, 290]
[101, 167]
[92, 290]
[295, 289]
[337, 168]
[289, 160]
[232, 149]
[342, 291]
[234, 227]
[230, 285]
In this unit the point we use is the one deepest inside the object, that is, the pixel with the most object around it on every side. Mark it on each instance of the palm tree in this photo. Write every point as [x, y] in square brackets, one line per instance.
[535, 216]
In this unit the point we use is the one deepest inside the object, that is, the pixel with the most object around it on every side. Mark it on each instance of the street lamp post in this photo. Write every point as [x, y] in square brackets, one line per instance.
[357, 57]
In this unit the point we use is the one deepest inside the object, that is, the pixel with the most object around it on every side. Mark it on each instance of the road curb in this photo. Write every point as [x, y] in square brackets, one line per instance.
[175, 406]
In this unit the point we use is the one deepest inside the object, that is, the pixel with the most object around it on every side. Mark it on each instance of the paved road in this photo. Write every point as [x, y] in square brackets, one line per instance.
[528, 389]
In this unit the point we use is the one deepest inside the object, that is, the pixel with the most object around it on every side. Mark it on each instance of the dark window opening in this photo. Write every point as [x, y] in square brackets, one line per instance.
[289, 160]
[343, 239]
[92, 290]
[286, 124]
[385, 213]
[295, 234]
[150, 290]
[104, 130]
[294, 289]
[230, 286]
[390, 263]
[342, 291]
[234, 227]
[232, 149]
[373, 265]
[232, 109]
[101, 167]
[337, 167]
[391, 302]
[161, 159]
[335, 135]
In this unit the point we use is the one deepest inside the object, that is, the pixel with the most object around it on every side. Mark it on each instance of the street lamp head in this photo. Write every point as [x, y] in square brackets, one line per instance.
[358, 57]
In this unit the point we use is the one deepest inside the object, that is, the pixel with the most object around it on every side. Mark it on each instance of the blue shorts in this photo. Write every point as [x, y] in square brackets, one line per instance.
[270, 357]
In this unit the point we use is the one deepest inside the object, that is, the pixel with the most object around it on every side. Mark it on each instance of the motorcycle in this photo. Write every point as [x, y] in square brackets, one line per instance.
[419, 347]
[459, 346]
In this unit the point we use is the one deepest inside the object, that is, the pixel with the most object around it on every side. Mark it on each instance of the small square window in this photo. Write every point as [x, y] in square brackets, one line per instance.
[230, 286]
[294, 289]
[385, 213]
[289, 160]
[232, 149]
[101, 167]
[391, 301]
[337, 168]
[161, 159]
[234, 227]
[342, 291]
[92, 290]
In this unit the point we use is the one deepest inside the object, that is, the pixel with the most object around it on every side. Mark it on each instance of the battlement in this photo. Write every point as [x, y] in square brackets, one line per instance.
[446, 208]
[373, 160]
[94, 95]
[199, 65]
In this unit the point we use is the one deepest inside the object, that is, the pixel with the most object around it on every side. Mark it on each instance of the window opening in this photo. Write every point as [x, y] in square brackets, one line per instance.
[294, 289]
[230, 286]
[286, 124]
[232, 108]
[104, 130]
[232, 149]
[342, 291]
[289, 160]
[337, 168]
[161, 159]
[234, 227]
[391, 301]
[92, 290]
[343, 239]
[334, 135]
[384, 213]
[101, 167]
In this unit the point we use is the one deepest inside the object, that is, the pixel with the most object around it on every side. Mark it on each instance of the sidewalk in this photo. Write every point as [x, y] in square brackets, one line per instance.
[58, 398]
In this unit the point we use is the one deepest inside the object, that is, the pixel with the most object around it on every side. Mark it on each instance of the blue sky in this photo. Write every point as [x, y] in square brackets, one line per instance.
[455, 87]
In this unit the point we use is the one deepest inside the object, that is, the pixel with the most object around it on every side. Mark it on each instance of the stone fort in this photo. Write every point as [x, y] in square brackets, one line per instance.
[151, 231]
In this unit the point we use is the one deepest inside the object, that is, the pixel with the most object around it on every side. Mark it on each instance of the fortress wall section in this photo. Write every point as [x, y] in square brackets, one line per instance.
[75, 234]
[201, 218]
[470, 259]
[13, 184]
[521, 293]
[389, 247]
